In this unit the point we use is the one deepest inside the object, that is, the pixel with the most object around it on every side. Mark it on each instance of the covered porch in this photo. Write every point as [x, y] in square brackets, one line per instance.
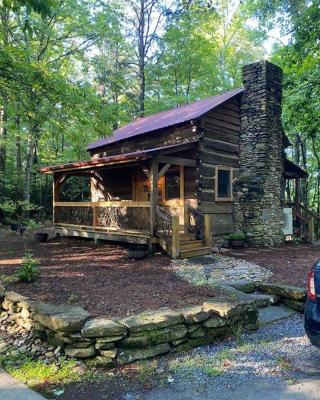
[303, 219]
[146, 197]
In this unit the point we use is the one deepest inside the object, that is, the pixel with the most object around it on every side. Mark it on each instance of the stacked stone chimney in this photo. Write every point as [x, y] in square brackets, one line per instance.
[258, 191]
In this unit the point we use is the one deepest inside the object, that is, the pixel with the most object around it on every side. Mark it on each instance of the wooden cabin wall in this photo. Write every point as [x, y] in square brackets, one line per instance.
[219, 146]
[175, 135]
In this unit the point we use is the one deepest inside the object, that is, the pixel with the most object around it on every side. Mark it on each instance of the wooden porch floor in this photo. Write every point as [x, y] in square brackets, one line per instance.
[100, 233]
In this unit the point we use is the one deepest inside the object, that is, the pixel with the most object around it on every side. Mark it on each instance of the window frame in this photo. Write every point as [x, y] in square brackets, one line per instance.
[223, 168]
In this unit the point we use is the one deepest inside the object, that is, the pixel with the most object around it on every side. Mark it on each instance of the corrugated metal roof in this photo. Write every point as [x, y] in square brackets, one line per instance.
[103, 161]
[166, 119]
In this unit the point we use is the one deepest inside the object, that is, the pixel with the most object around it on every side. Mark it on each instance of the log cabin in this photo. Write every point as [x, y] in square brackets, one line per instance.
[185, 178]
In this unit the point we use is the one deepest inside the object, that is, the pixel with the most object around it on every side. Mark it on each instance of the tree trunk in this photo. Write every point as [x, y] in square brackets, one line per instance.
[19, 173]
[4, 17]
[30, 161]
[3, 135]
[141, 52]
[304, 183]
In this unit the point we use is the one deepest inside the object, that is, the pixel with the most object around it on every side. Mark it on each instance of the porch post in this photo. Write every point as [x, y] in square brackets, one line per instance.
[297, 194]
[153, 193]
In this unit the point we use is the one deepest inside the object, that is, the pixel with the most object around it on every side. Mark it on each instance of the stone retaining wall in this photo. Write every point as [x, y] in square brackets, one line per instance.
[292, 296]
[110, 342]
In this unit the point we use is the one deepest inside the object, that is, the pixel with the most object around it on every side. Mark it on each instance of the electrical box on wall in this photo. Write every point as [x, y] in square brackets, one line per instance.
[288, 222]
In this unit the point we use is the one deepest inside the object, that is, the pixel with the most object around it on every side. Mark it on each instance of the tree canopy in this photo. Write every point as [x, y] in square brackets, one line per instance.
[74, 70]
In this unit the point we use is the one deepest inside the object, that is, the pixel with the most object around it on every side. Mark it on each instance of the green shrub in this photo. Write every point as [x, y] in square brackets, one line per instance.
[238, 235]
[29, 270]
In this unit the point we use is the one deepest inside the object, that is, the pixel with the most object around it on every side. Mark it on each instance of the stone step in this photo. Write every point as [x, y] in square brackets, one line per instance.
[264, 300]
[190, 244]
[270, 314]
[194, 253]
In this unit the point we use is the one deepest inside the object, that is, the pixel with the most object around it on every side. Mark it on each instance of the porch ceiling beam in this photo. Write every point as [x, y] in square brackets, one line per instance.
[163, 170]
[178, 161]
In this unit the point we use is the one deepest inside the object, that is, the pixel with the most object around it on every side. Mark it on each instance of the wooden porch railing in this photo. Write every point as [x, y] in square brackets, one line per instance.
[198, 223]
[167, 229]
[309, 220]
[194, 221]
[119, 215]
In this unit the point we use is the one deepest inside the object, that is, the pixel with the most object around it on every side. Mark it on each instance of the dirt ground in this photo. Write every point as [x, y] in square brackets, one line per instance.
[289, 264]
[99, 278]
[104, 281]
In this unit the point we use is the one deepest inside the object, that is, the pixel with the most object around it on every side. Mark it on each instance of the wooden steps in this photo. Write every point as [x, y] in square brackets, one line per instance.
[190, 246]
[185, 237]
[201, 251]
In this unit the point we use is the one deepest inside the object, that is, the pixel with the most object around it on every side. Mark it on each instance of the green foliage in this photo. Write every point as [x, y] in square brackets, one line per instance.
[70, 74]
[36, 372]
[32, 224]
[29, 269]
[237, 331]
[191, 364]
[238, 235]
[8, 278]
[18, 210]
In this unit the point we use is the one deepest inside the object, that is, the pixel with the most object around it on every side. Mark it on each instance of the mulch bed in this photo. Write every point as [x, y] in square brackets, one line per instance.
[99, 278]
[290, 264]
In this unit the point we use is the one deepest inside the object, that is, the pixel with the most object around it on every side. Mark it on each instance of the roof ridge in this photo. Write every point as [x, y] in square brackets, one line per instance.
[180, 107]
[166, 118]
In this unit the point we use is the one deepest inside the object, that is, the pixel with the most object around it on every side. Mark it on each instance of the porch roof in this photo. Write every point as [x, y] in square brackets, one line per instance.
[116, 159]
[293, 171]
[166, 119]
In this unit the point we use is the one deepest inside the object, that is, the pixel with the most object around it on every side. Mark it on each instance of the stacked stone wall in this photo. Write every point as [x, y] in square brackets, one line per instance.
[110, 342]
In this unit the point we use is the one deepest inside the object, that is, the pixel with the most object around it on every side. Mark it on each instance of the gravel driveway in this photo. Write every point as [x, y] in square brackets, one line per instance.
[275, 362]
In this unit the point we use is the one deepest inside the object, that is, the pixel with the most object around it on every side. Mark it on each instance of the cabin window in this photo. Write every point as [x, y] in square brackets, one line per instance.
[223, 184]
[173, 184]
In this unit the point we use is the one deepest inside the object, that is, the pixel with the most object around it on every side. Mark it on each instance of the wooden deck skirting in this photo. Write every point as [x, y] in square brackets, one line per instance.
[120, 203]
[90, 232]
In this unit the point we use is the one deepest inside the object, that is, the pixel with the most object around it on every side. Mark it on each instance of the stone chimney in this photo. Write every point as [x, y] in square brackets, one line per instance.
[258, 191]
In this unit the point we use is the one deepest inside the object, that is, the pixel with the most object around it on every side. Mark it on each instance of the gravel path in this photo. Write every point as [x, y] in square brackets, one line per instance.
[219, 269]
[275, 362]
[277, 353]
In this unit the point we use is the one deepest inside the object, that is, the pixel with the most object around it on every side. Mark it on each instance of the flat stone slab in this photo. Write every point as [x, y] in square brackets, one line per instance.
[270, 314]
[203, 260]
[100, 327]
[193, 314]
[289, 292]
[264, 300]
[153, 319]
[15, 297]
[128, 356]
[243, 285]
[11, 389]
[60, 318]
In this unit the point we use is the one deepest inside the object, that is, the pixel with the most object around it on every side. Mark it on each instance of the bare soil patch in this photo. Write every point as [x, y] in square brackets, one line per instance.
[289, 264]
[99, 278]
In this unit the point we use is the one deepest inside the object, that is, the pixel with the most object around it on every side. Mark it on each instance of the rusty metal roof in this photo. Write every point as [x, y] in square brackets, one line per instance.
[116, 159]
[165, 119]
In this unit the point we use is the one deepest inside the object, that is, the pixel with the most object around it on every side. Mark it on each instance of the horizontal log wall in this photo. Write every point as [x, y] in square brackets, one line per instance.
[219, 146]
